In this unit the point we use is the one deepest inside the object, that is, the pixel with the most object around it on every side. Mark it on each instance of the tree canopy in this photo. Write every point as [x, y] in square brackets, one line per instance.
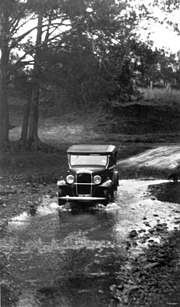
[90, 49]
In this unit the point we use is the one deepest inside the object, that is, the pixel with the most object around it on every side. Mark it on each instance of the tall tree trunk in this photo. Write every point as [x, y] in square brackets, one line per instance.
[34, 116]
[27, 111]
[4, 112]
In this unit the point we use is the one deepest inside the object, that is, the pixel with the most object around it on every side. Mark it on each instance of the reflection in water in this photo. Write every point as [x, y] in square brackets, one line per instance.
[28, 299]
[70, 258]
[65, 258]
[82, 279]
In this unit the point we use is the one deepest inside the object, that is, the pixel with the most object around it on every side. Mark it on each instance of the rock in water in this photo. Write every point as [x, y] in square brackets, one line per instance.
[173, 176]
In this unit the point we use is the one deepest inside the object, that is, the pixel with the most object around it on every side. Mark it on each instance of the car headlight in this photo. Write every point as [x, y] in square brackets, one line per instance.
[97, 179]
[70, 179]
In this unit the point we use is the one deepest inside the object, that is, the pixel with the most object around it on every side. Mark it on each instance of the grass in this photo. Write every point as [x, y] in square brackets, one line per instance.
[161, 95]
[61, 131]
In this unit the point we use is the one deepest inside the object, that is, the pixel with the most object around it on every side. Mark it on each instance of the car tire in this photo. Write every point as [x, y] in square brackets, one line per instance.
[61, 202]
[108, 197]
[115, 180]
[112, 194]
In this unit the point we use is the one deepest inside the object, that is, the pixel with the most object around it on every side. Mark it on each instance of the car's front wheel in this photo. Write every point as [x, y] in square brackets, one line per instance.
[115, 180]
[108, 197]
[61, 193]
[113, 194]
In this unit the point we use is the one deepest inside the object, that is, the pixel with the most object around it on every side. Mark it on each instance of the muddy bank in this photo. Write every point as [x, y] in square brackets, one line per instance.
[150, 274]
[152, 277]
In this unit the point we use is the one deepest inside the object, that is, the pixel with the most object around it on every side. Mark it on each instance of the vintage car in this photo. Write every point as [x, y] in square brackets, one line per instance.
[91, 177]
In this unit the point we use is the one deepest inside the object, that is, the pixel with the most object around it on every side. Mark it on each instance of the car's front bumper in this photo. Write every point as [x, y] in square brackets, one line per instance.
[81, 198]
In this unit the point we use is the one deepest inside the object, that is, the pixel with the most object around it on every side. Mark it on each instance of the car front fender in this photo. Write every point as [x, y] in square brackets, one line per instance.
[61, 183]
[106, 184]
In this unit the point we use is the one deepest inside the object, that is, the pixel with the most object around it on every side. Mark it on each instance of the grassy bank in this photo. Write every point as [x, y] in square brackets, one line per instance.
[163, 96]
[140, 126]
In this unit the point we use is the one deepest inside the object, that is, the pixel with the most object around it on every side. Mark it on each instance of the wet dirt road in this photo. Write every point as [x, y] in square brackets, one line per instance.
[62, 258]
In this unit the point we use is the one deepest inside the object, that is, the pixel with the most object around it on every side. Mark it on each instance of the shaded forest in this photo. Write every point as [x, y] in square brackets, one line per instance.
[85, 55]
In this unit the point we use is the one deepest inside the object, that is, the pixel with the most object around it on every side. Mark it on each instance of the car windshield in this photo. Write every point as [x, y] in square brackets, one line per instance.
[90, 160]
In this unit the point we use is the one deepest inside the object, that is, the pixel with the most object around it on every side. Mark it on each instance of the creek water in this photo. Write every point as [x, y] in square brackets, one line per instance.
[59, 257]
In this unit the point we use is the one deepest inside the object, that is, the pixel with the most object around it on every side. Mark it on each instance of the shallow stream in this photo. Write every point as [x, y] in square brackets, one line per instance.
[60, 257]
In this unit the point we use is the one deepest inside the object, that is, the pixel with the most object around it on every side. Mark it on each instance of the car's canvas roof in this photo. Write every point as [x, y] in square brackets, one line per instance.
[82, 149]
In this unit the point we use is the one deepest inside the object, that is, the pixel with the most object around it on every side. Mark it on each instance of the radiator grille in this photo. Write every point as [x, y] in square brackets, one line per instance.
[83, 178]
[84, 183]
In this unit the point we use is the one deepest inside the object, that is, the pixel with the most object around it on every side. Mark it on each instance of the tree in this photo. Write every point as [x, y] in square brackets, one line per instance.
[93, 52]
[14, 15]
[11, 12]
[5, 8]
[90, 56]
[34, 118]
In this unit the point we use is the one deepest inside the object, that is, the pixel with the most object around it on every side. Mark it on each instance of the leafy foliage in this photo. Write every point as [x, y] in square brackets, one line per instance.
[89, 50]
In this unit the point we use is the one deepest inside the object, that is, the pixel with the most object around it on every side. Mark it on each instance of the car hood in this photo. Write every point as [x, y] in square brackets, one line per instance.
[90, 170]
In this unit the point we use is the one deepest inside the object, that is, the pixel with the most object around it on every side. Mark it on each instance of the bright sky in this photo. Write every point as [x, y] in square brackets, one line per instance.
[162, 34]
[162, 37]
[166, 38]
